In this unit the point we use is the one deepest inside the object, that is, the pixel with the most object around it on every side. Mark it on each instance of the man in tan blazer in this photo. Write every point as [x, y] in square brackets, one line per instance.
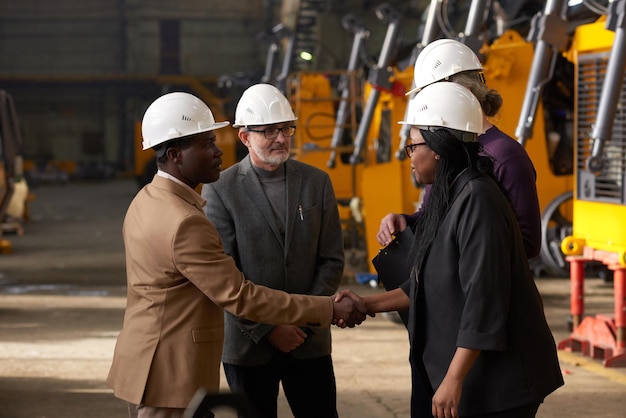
[179, 278]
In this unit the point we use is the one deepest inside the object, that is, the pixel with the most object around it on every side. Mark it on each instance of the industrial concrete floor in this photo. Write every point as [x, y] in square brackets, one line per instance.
[62, 296]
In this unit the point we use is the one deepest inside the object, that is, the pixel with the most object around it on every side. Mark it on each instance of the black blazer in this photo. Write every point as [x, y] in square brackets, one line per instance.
[475, 290]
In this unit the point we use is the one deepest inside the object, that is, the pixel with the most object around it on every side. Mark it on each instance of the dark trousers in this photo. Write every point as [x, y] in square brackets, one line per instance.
[309, 386]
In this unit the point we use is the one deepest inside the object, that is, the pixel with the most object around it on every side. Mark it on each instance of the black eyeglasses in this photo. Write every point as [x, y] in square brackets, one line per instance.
[411, 147]
[272, 133]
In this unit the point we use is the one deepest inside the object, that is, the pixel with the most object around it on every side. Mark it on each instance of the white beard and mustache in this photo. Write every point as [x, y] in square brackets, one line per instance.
[266, 154]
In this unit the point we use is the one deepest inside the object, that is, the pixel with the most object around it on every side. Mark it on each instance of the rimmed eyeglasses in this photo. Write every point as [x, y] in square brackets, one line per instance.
[272, 133]
[411, 147]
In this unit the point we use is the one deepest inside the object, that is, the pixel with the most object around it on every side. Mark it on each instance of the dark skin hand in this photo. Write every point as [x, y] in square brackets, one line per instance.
[348, 310]
[393, 300]
[448, 395]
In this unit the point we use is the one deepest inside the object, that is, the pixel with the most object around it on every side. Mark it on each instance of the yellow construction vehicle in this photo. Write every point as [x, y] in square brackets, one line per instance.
[385, 183]
[511, 66]
[351, 130]
[599, 221]
[598, 232]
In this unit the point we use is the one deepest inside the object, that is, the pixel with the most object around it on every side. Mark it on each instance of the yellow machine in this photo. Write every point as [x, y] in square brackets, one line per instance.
[388, 184]
[380, 182]
[599, 217]
[599, 208]
[369, 178]
[383, 182]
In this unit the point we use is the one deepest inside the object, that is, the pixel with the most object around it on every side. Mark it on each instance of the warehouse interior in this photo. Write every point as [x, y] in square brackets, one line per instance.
[76, 77]
[82, 72]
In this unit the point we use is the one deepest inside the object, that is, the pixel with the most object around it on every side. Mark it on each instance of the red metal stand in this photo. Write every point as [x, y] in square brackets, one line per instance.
[577, 288]
[603, 336]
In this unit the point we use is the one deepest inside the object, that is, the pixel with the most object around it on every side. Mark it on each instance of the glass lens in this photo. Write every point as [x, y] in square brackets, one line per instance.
[271, 133]
[289, 130]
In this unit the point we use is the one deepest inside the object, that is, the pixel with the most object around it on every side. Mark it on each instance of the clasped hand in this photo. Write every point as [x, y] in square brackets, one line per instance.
[348, 309]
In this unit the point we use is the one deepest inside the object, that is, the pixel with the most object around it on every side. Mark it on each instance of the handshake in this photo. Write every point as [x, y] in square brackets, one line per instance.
[348, 309]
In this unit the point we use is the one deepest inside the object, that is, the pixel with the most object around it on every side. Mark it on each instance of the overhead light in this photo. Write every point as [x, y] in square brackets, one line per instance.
[305, 55]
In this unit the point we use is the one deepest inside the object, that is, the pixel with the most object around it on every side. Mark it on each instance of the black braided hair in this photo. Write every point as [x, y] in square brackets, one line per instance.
[455, 157]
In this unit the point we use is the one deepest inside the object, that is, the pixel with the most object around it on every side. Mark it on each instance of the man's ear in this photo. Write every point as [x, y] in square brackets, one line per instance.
[243, 136]
[174, 154]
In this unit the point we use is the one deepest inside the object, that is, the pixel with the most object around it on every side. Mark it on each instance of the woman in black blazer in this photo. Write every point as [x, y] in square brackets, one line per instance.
[480, 343]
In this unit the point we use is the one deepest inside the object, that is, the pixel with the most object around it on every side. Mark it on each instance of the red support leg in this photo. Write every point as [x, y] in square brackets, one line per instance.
[619, 288]
[602, 336]
[577, 305]
[577, 290]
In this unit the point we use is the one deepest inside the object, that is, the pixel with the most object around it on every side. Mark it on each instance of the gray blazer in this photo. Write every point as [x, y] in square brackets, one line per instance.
[311, 261]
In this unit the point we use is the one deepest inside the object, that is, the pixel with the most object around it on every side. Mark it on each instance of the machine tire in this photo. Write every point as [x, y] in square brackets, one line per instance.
[554, 227]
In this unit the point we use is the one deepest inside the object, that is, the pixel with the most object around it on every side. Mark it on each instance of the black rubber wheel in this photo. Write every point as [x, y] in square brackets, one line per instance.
[555, 226]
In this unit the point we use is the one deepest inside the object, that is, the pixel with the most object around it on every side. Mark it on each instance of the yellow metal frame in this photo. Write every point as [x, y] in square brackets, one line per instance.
[597, 227]
[314, 105]
[507, 67]
[389, 186]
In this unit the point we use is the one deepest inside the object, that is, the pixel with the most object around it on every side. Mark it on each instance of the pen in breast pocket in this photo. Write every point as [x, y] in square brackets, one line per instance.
[300, 211]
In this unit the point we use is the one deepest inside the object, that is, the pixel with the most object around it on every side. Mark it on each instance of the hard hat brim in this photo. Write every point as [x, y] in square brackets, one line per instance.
[241, 125]
[217, 125]
[413, 90]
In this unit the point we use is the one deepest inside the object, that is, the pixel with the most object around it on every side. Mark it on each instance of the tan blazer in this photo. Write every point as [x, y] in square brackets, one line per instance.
[179, 280]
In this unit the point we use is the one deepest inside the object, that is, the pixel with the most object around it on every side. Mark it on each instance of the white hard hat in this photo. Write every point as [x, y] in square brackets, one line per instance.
[175, 115]
[262, 104]
[441, 59]
[445, 105]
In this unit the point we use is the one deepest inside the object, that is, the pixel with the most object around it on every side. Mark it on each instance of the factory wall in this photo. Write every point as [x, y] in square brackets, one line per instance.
[82, 72]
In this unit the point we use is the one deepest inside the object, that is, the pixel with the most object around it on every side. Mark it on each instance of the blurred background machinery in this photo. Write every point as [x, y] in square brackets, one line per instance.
[13, 186]
[82, 74]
